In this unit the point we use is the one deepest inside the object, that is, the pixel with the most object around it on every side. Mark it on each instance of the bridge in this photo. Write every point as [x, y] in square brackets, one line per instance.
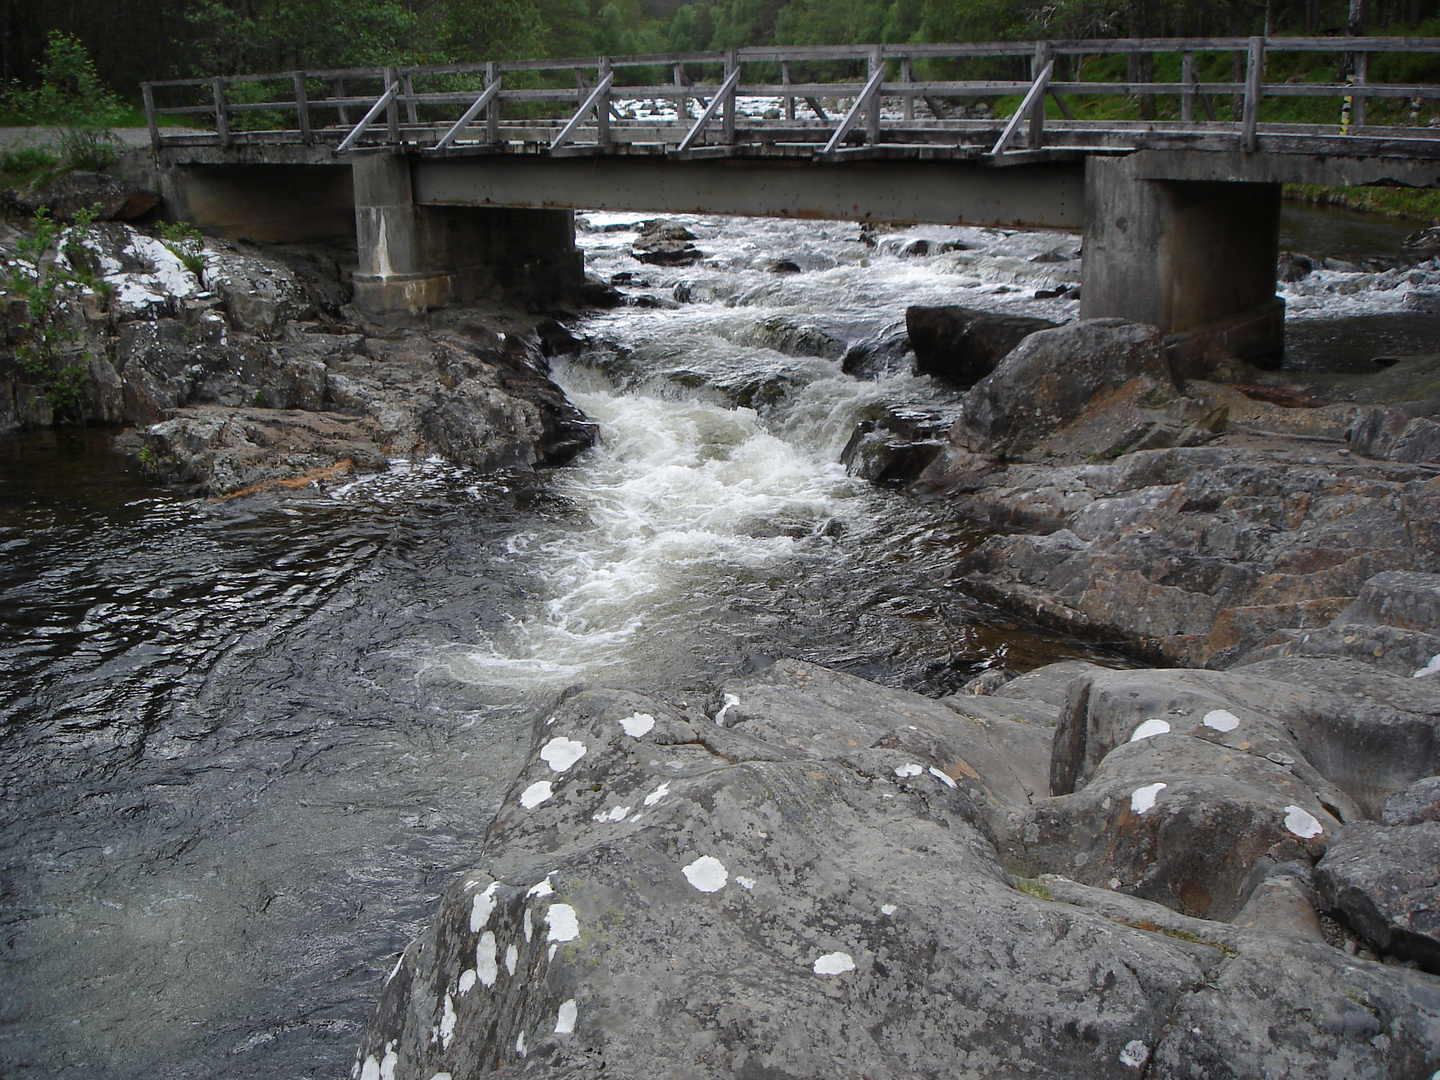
[458, 180]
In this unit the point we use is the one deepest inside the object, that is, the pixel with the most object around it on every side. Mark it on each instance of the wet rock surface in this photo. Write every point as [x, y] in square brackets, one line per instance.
[256, 371]
[963, 345]
[808, 877]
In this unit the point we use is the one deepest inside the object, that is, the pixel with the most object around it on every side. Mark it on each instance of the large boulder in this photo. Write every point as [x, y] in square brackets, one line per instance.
[111, 198]
[962, 345]
[666, 243]
[1384, 881]
[798, 881]
[1094, 388]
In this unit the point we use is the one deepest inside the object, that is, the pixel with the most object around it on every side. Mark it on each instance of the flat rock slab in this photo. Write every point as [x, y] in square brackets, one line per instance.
[779, 894]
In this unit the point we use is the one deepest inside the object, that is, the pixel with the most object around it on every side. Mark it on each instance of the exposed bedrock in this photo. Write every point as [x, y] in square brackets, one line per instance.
[255, 370]
[808, 878]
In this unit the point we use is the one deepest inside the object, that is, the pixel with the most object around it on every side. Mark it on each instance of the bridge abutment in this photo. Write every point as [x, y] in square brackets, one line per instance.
[415, 257]
[1194, 258]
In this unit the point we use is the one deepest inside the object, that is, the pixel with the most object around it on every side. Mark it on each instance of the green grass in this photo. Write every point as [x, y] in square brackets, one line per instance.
[1412, 204]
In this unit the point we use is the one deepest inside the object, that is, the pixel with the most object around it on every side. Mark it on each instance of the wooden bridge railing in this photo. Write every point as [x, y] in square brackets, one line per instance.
[362, 107]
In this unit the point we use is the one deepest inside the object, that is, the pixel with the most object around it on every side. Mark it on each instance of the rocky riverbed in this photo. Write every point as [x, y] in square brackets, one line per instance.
[1226, 866]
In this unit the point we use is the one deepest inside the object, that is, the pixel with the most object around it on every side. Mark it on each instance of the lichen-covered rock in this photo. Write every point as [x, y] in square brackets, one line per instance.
[800, 883]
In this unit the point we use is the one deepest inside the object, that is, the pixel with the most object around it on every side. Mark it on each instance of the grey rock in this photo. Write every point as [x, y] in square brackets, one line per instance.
[1418, 803]
[1385, 882]
[768, 896]
[117, 199]
[963, 345]
[1392, 435]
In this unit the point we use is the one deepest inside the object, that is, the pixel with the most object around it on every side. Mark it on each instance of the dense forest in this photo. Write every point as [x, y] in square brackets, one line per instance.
[133, 40]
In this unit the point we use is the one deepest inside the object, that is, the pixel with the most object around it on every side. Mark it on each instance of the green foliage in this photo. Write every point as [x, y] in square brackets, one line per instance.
[186, 244]
[27, 167]
[51, 266]
[71, 97]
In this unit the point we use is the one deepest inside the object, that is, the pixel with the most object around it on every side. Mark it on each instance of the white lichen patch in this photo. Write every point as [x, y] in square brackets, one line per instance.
[637, 724]
[520, 1045]
[615, 813]
[1302, 823]
[535, 794]
[565, 1019]
[563, 922]
[707, 873]
[1143, 798]
[1429, 669]
[658, 794]
[560, 753]
[746, 883]
[834, 963]
[1150, 728]
[1135, 1054]
[888, 909]
[447, 1023]
[485, 959]
[944, 777]
[529, 925]
[512, 959]
[1221, 720]
[730, 702]
[913, 768]
[384, 1069]
[541, 888]
[466, 982]
[482, 908]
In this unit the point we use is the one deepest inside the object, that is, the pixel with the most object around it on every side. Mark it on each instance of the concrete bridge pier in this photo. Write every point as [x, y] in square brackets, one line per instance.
[415, 257]
[1194, 257]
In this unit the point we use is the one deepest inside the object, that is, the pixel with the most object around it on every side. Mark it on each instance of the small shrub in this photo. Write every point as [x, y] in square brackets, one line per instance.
[27, 167]
[186, 244]
[72, 97]
[51, 265]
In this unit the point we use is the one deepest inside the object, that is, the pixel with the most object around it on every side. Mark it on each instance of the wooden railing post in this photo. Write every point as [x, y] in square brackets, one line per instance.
[492, 112]
[1187, 90]
[1254, 66]
[875, 65]
[302, 108]
[342, 111]
[222, 113]
[392, 111]
[602, 107]
[907, 76]
[1362, 70]
[682, 103]
[732, 64]
[147, 95]
[787, 80]
[411, 116]
[1036, 133]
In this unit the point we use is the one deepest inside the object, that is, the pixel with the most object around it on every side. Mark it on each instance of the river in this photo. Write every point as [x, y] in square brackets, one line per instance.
[247, 744]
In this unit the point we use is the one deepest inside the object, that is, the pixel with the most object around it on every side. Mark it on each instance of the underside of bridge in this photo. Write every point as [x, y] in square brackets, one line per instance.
[1185, 241]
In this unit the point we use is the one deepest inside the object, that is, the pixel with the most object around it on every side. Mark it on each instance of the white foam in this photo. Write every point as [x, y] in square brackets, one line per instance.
[707, 873]
[1302, 823]
[914, 768]
[1150, 728]
[565, 1019]
[560, 753]
[1143, 798]
[835, 963]
[637, 724]
[1221, 720]
[564, 923]
[536, 794]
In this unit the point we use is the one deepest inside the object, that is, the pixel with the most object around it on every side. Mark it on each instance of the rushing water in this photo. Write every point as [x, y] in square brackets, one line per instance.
[246, 744]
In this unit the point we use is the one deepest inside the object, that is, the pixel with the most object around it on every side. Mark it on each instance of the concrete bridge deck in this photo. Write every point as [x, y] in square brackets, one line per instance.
[450, 191]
